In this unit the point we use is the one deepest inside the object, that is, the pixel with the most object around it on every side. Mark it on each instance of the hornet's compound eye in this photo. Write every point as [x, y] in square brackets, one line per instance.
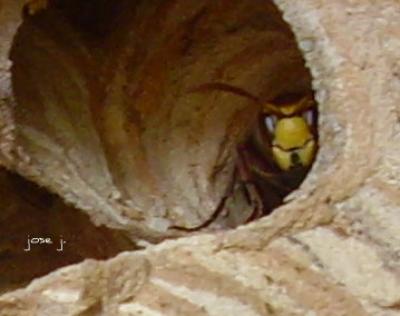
[270, 123]
[309, 117]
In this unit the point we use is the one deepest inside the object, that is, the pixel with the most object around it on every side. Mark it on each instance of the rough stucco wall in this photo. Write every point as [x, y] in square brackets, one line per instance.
[333, 250]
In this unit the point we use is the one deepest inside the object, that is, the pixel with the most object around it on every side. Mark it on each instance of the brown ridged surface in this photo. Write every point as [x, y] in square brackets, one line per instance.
[115, 106]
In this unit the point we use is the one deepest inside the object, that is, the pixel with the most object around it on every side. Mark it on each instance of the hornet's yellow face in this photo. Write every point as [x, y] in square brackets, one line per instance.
[293, 143]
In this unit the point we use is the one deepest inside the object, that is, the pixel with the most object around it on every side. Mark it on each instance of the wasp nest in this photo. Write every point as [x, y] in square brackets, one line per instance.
[104, 108]
[96, 108]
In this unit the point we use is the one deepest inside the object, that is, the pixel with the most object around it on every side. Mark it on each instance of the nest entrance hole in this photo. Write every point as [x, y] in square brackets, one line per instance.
[248, 45]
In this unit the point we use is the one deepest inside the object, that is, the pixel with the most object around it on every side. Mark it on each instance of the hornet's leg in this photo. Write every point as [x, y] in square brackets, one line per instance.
[250, 188]
[217, 211]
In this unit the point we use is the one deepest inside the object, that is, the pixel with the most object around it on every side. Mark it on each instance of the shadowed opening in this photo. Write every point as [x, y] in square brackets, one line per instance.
[40, 233]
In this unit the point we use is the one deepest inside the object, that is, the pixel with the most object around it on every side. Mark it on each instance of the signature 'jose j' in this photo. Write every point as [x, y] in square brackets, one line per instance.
[41, 241]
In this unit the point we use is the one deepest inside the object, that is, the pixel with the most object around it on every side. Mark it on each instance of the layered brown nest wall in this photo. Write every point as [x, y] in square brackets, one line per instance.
[111, 82]
[100, 116]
